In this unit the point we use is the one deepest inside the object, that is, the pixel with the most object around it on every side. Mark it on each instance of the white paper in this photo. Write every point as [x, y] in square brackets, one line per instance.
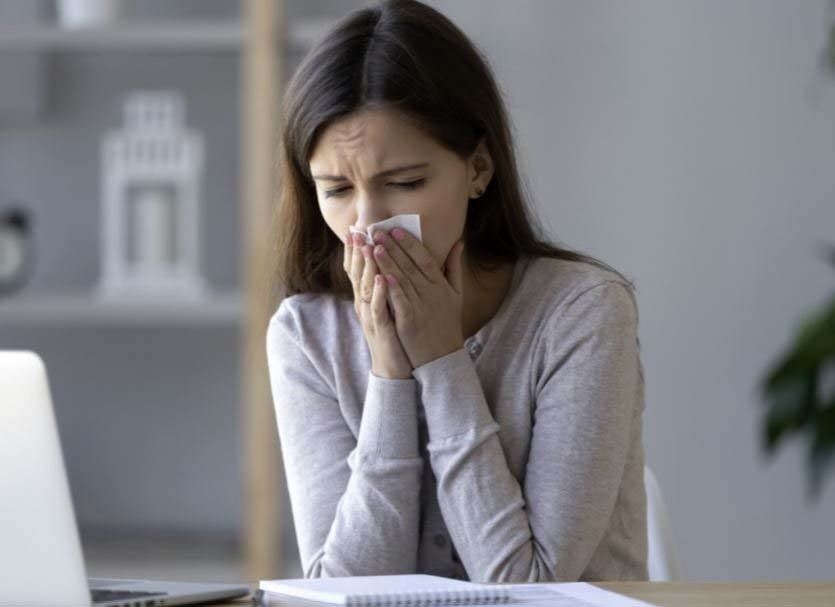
[571, 594]
[337, 590]
[410, 223]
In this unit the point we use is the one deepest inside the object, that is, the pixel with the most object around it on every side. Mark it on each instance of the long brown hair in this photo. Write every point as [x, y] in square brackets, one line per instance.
[406, 55]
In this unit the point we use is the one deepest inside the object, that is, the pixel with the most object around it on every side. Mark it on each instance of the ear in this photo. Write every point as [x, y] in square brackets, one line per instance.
[480, 169]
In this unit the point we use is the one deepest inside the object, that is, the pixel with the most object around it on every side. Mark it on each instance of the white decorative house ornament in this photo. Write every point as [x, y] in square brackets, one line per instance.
[151, 174]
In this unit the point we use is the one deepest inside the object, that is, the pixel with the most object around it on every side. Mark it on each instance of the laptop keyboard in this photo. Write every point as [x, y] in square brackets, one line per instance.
[138, 596]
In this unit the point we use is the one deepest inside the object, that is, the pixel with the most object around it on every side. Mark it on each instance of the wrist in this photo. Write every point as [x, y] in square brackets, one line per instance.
[389, 373]
[439, 353]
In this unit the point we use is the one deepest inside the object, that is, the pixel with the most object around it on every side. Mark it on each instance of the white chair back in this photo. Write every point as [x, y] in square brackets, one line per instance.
[662, 559]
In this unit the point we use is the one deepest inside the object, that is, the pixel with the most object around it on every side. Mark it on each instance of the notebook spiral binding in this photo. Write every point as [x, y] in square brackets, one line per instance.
[440, 597]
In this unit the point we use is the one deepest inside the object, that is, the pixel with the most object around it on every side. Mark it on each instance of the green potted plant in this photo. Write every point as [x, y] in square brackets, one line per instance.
[799, 389]
[799, 392]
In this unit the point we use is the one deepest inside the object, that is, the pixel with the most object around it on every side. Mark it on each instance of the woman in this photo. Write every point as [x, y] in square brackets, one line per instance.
[468, 405]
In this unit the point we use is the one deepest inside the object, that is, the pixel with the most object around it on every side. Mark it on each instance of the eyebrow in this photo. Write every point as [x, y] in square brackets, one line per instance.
[385, 173]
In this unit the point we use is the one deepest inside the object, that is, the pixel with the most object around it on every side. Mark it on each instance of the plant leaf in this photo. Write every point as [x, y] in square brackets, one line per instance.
[789, 409]
[815, 342]
[822, 448]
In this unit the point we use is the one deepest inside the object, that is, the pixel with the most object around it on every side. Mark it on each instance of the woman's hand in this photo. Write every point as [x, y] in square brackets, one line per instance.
[426, 300]
[388, 358]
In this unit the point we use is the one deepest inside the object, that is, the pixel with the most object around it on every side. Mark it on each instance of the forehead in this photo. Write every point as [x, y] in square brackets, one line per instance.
[371, 138]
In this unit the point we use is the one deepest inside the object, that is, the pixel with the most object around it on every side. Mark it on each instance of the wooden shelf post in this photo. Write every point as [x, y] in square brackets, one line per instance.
[261, 63]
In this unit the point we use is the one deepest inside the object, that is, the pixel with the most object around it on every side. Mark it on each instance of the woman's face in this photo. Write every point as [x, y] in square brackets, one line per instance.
[436, 183]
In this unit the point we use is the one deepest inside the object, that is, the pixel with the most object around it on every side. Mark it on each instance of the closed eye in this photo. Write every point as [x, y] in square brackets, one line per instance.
[406, 185]
[409, 185]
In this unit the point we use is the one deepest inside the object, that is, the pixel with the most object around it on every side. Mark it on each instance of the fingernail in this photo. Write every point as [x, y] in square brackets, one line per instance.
[380, 236]
[390, 279]
[398, 233]
[380, 250]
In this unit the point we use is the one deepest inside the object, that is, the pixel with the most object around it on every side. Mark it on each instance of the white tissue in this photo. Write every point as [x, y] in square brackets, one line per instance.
[410, 223]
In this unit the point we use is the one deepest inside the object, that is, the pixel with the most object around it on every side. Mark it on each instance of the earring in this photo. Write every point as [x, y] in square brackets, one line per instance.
[478, 192]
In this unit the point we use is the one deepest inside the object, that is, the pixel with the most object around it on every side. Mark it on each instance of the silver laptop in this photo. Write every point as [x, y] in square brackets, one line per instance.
[41, 563]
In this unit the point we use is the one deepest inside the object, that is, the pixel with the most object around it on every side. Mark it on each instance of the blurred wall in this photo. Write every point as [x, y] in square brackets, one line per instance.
[146, 413]
[692, 145]
[149, 415]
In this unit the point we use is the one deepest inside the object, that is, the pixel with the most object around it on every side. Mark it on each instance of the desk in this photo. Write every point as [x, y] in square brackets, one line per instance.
[711, 594]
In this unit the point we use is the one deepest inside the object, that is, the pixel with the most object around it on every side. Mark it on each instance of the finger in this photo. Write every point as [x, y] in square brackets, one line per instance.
[388, 266]
[454, 272]
[379, 309]
[357, 263]
[399, 302]
[418, 254]
[368, 272]
[408, 269]
[347, 249]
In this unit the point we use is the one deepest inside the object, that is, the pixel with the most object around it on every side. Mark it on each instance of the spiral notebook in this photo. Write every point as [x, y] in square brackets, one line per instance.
[383, 590]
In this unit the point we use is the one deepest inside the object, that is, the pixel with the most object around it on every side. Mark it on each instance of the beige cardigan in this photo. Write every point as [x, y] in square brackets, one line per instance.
[518, 458]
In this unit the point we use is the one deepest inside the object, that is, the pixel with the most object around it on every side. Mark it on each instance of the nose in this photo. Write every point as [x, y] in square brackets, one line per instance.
[370, 211]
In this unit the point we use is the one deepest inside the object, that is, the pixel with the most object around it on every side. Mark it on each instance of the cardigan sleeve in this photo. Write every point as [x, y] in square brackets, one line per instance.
[354, 499]
[586, 392]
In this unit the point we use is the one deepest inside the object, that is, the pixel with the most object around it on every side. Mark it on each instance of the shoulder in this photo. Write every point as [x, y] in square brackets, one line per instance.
[588, 319]
[309, 315]
[563, 288]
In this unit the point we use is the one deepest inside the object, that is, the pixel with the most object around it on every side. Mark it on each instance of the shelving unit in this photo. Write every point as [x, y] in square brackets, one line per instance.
[262, 65]
[259, 38]
[185, 35]
[82, 309]
[180, 36]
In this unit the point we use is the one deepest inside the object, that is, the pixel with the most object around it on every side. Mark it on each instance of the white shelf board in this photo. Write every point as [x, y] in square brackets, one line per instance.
[73, 309]
[191, 35]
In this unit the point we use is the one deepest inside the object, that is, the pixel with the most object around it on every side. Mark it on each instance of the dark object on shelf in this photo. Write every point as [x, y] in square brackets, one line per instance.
[16, 249]
[799, 391]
